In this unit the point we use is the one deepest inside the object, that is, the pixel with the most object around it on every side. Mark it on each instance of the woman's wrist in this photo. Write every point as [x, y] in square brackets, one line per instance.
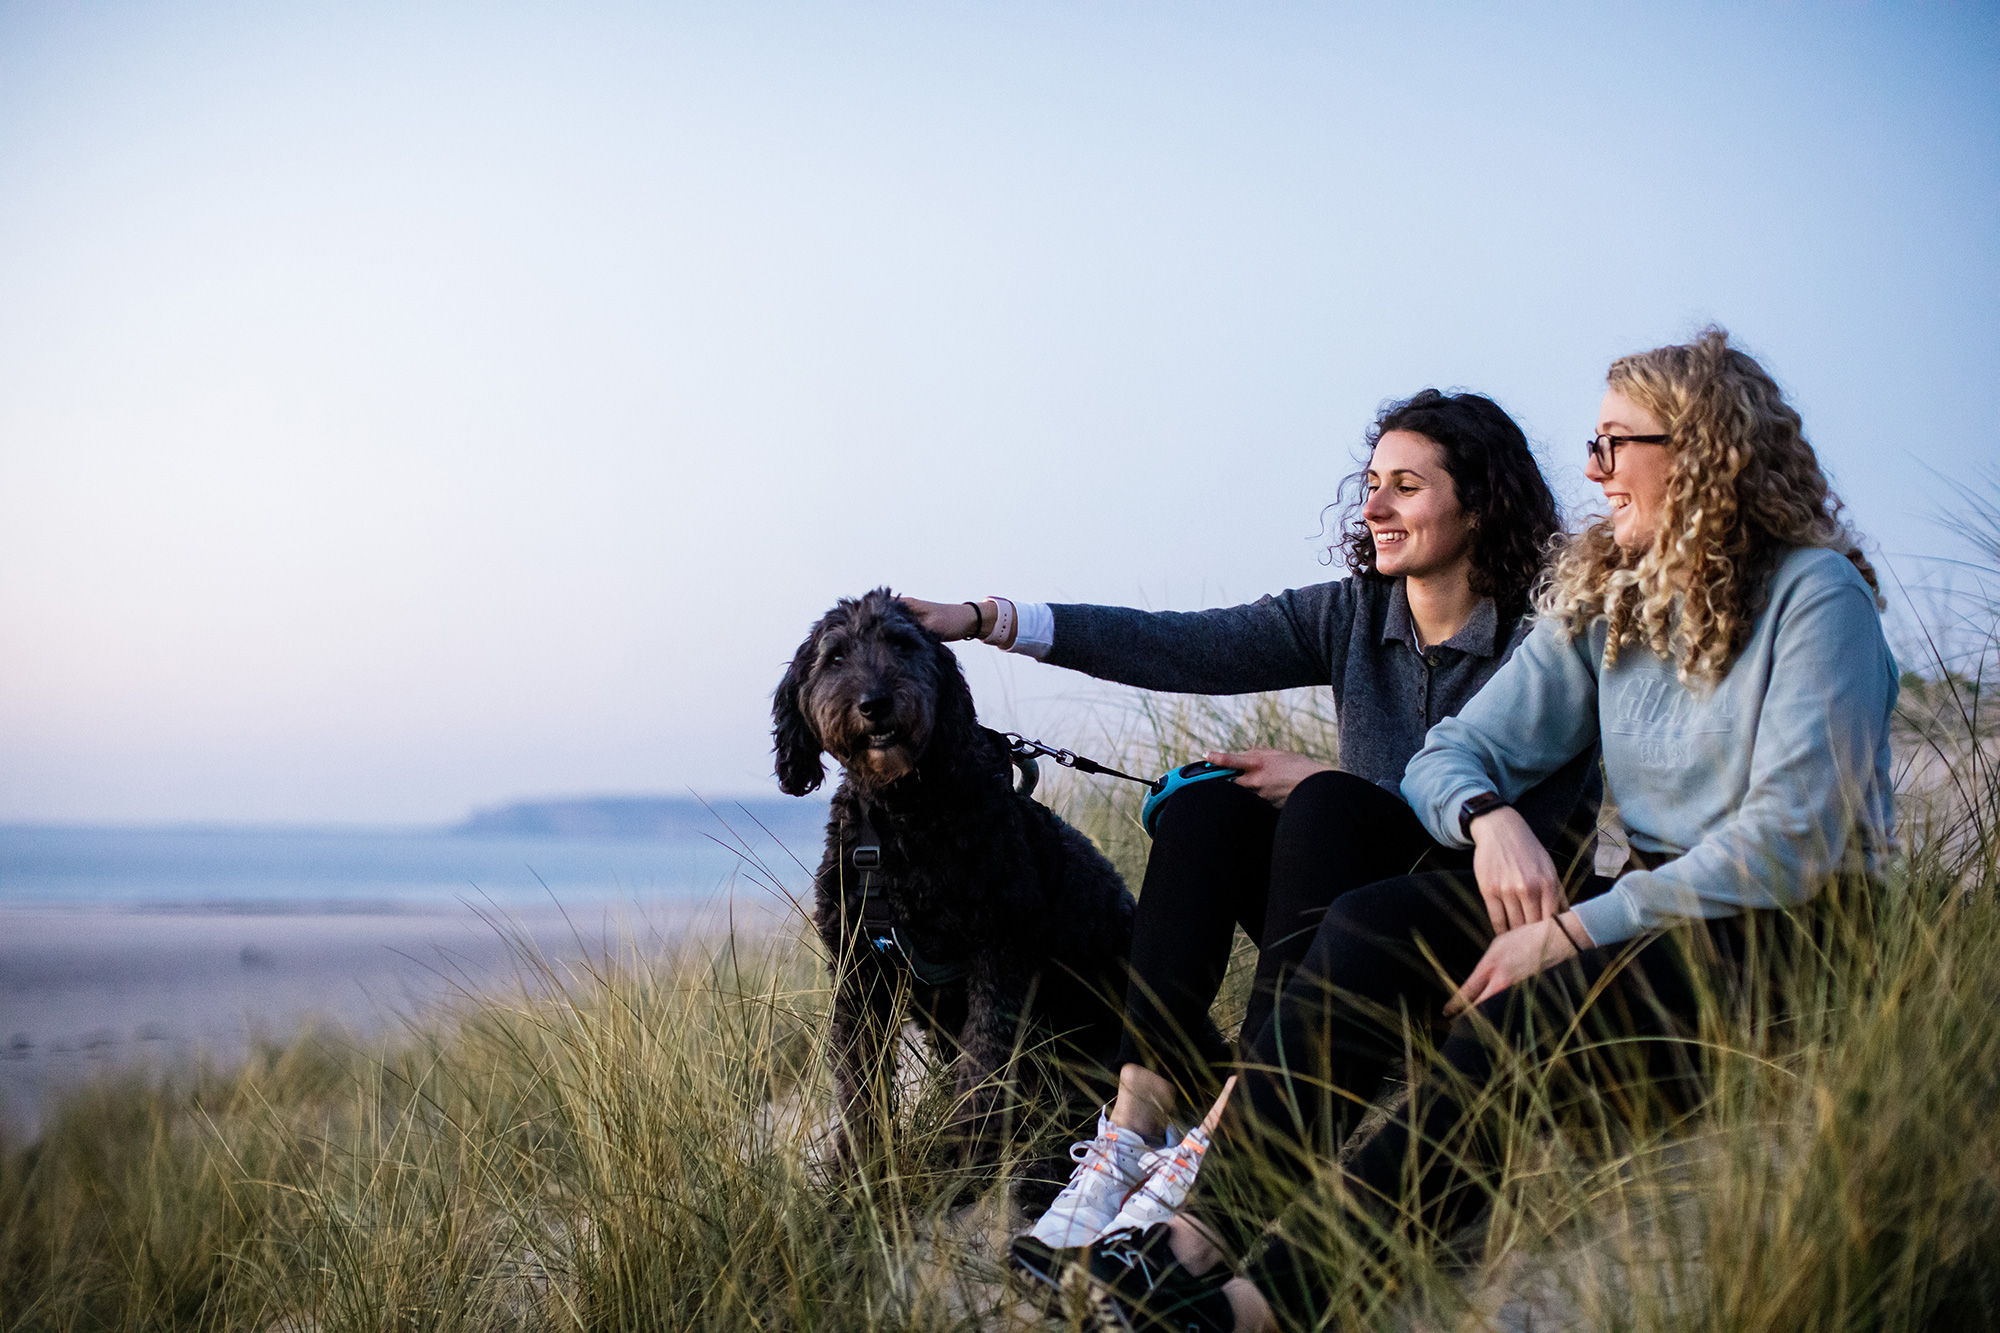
[1027, 628]
[1496, 821]
[1572, 927]
[993, 620]
[1469, 814]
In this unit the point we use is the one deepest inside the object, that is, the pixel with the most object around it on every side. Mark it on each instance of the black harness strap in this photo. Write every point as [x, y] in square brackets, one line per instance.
[878, 921]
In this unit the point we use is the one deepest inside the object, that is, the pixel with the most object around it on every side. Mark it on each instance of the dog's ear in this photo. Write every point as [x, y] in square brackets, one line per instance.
[792, 736]
[956, 713]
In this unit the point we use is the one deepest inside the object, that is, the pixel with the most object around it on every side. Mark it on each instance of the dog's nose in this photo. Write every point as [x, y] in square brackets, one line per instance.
[876, 707]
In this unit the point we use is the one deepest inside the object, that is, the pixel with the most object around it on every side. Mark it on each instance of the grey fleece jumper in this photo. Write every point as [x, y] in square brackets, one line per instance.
[1354, 635]
[1759, 787]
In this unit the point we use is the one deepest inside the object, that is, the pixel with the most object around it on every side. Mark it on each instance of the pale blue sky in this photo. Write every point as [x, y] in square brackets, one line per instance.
[408, 407]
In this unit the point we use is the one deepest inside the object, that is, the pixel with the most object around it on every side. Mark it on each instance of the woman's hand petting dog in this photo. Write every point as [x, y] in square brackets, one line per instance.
[951, 620]
[1270, 773]
[1516, 877]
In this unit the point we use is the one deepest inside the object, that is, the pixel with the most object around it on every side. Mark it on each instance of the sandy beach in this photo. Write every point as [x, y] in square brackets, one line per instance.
[89, 991]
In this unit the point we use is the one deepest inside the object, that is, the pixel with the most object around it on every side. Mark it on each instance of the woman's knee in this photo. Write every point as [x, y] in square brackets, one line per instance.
[1400, 931]
[1347, 918]
[1389, 909]
[1362, 933]
[1206, 810]
[1333, 794]
[1339, 831]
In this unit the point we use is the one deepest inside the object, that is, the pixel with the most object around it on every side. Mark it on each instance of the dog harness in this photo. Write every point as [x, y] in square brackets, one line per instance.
[878, 922]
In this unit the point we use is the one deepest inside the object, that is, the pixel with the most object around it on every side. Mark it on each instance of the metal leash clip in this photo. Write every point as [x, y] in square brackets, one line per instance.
[1026, 749]
[1022, 753]
[1021, 745]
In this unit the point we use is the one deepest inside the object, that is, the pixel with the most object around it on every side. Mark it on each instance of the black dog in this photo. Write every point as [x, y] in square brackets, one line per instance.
[939, 880]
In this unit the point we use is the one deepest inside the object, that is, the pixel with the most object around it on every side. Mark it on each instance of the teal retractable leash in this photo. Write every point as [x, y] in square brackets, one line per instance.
[1168, 783]
[1025, 752]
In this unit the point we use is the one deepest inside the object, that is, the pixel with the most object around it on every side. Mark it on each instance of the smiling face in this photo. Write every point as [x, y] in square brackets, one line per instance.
[1412, 509]
[1637, 486]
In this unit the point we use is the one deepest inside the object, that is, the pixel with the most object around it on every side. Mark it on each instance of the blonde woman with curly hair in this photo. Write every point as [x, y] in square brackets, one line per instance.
[1718, 631]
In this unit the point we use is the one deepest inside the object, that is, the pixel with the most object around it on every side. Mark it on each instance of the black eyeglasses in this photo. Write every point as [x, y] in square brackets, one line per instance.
[1604, 448]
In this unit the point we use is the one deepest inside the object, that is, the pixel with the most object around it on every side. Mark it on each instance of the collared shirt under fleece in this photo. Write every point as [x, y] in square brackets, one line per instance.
[1761, 786]
[1354, 635]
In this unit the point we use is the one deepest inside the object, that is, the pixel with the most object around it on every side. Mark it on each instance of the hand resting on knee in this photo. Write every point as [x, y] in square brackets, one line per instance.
[1271, 774]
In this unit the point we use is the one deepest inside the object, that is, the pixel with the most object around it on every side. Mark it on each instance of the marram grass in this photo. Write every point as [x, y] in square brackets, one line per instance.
[638, 1145]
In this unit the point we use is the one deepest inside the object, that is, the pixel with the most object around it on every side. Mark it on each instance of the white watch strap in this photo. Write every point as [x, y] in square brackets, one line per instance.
[1002, 633]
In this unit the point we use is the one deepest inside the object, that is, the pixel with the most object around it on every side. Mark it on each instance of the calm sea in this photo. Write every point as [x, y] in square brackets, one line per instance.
[284, 870]
[143, 948]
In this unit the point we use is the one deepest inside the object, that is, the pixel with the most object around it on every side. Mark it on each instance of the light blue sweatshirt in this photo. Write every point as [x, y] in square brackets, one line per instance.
[1762, 786]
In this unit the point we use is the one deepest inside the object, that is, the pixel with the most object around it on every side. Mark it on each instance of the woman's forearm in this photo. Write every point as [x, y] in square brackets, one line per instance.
[1274, 643]
[1537, 713]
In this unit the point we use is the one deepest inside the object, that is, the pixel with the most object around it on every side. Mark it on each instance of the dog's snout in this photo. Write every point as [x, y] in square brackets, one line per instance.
[876, 707]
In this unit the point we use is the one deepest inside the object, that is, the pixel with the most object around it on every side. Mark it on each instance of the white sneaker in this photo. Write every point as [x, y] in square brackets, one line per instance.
[1170, 1173]
[1108, 1168]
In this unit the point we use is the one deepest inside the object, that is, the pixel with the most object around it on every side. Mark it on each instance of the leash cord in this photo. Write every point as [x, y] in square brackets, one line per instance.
[1067, 758]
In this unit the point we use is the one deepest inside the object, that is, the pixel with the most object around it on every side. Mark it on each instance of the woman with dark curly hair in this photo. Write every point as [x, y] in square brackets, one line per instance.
[1450, 522]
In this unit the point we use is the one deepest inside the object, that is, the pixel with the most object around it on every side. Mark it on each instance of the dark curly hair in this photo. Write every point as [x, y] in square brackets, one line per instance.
[1515, 521]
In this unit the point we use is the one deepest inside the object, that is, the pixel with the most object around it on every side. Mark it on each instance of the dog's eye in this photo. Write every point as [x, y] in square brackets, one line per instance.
[835, 659]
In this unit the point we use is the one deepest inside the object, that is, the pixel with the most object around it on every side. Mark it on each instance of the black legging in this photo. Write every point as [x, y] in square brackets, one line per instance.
[1395, 950]
[1224, 857]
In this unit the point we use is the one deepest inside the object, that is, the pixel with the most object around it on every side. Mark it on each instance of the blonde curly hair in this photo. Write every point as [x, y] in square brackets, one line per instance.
[1744, 488]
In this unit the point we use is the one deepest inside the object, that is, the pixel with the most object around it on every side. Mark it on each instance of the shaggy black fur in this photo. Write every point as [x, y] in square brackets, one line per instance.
[977, 874]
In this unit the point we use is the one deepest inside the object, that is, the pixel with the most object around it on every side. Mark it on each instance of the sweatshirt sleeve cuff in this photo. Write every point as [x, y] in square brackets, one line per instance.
[1035, 629]
[1442, 816]
[1612, 917]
